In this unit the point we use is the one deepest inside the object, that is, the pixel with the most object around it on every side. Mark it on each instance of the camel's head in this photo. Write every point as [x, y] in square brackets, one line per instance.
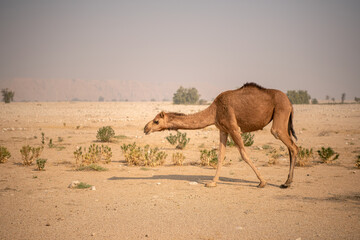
[159, 123]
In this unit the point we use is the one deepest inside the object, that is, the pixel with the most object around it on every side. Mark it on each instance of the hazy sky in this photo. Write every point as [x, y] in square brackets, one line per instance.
[312, 45]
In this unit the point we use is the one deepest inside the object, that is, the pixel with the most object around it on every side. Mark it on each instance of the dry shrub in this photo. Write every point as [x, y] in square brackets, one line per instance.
[178, 158]
[146, 156]
[29, 154]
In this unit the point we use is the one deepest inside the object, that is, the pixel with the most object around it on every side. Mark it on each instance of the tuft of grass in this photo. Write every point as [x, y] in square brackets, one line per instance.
[92, 167]
[4, 154]
[83, 185]
[121, 137]
[328, 155]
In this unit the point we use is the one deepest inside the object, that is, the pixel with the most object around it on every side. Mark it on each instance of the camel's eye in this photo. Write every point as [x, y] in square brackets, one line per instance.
[156, 121]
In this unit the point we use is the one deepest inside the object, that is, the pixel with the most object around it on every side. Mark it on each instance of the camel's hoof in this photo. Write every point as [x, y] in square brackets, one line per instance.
[262, 184]
[211, 184]
[285, 185]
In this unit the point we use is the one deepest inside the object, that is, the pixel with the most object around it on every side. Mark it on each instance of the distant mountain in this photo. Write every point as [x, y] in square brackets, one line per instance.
[87, 90]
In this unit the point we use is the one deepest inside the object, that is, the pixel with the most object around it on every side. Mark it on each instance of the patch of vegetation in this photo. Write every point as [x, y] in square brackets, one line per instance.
[4, 154]
[328, 155]
[121, 137]
[209, 158]
[178, 159]
[92, 167]
[94, 154]
[42, 138]
[357, 164]
[186, 96]
[179, 139]
[50, 144]
[104, 134]
[8, 95]
[83, 185]
[304, 157]
[29, 154]
[40, 162]
[146, 156]
[248, 139]
[266, 147]
[298, 97]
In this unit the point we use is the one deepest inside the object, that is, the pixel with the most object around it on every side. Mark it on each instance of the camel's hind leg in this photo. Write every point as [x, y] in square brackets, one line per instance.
[280, 131]
[236, 136]
[221, 155]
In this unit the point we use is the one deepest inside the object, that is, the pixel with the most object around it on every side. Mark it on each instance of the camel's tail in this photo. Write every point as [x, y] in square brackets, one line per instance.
[290, 125]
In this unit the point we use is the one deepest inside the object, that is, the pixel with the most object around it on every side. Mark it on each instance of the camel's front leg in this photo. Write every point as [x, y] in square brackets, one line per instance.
[221, 155]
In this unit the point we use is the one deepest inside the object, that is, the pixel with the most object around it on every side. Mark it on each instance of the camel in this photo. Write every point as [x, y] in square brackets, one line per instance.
[233, 112]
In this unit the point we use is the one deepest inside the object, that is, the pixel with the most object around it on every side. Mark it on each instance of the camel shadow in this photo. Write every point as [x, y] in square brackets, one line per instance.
[201, 179]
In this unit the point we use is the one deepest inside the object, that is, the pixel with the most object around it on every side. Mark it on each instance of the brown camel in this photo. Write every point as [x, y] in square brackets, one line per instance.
[246, 109]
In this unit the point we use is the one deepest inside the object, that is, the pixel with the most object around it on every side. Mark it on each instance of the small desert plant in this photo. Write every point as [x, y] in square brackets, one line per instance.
[4, 154]
[274, 157]
[8, 95]
[357, 164]
[28, 154]
[50, 144]
[138, 156]
[43, 138]
[178, 158]
[83, 185]
[91, 167]
[40, 162]
[179, 139]
[209, 158]
[104, 134]
[94, 154]
[247, 139]
[153, 157]
[328, 155]
[304, 156]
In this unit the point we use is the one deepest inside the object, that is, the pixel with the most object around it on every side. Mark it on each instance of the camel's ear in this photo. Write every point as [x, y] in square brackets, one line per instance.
[162, 114]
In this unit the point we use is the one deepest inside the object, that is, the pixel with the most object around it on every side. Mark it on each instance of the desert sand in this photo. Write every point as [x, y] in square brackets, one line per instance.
[171, 202]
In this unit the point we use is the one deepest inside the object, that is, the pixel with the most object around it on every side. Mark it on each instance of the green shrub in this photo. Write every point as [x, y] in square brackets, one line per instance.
[186, 96]
[248, 140]
[178, 158]
[179, 139]
[104, 134]
[328, 155]
[357, 164]
[298, 97]
[40, 162]
[94, 154]
[29, 154]
[4, 154]
[137, 156]
[8, 95]
[209, 158]
[304, 156]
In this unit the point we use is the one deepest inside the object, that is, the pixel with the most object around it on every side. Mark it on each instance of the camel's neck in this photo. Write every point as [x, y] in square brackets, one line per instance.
[197, 120]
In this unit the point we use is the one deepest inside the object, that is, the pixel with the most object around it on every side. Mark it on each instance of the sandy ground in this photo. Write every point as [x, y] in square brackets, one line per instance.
[170, 202]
